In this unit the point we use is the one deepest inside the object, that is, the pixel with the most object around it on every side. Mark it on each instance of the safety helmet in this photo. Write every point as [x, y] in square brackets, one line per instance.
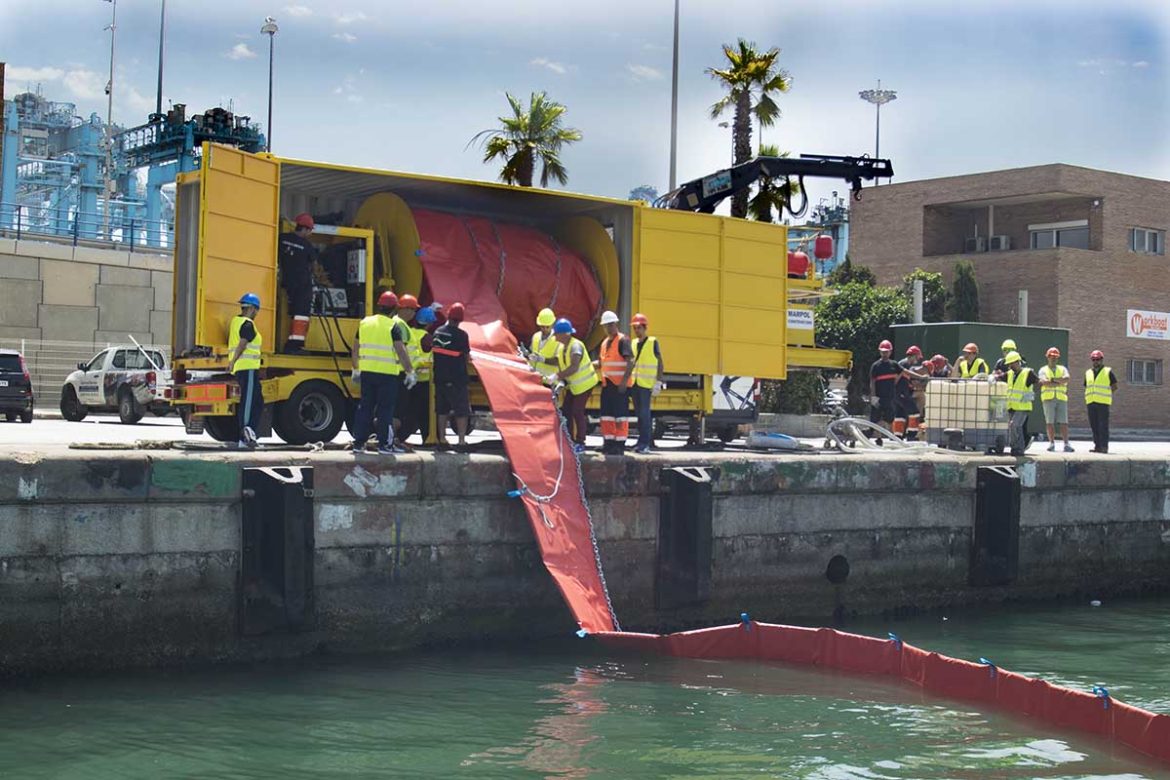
[1011, 357]
[885, 346]
[305, 219]
[914, 349]
[425, 316]
[1096, 355]
[1008, 344]
[388, 300]
[250, 299]
[455, 312]
[1052, 352]
[407, 301]
[608, 318]
[639, 319]
[546, 318]
[563, 326]
[972, 347]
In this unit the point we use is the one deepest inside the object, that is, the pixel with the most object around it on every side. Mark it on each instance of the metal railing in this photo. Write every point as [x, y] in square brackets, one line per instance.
[18, 220]
[49, 362]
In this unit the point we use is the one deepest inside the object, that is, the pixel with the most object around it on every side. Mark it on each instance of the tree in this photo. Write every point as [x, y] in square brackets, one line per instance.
[801, 393]
[964, 304]
[772, 196]
[751, 78]
[646, 192]
[848, 272]
[934, 294]
[529, 135]
[857, 318]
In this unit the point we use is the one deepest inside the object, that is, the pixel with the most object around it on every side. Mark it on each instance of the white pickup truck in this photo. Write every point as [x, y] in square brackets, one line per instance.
[125, 379]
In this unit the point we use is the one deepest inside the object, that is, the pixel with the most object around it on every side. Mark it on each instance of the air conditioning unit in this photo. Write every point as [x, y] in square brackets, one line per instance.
[1001, 243]
[977, 244]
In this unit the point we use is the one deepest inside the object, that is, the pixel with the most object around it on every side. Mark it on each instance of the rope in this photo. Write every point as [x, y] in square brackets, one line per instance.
[503, 259]
[552, 304]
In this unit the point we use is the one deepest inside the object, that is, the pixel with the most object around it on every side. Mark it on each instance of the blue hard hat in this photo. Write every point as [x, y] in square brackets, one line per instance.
[251, 299]
[563, 326]
[425, 316]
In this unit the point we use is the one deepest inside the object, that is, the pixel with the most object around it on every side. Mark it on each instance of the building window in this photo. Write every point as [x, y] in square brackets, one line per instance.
[1147, 241]
[1074, 234]
[1145, 372]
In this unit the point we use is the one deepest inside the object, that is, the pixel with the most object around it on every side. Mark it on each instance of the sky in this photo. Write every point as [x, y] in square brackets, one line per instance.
[404, 86]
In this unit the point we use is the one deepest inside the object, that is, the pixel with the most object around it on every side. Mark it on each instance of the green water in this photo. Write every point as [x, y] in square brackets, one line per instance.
[568, 710]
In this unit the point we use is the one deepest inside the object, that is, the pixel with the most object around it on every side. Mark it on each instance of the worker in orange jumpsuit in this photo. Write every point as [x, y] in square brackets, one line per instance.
[296, 256]
[616, 364]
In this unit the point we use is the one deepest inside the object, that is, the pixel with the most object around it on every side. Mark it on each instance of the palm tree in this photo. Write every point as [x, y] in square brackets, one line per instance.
[751, 79]
[530, 134]
[772, 195]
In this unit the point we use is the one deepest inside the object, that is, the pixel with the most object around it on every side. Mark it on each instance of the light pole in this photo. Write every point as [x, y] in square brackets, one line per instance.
[109, 180]
[270, 29]
[674, 107]
[879, 97]
[162, 27]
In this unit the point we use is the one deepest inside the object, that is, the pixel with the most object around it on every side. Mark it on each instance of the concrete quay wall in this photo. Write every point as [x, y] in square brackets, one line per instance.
[112, 559]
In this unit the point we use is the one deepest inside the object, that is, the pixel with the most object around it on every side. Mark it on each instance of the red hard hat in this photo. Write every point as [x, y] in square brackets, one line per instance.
[1052, 352]
[886, 346]
[455, 312]
[407, 301]
[1096, 355]
[639, 319]
[913, 349]
[304, 219]
[972, 347]
[388, 300]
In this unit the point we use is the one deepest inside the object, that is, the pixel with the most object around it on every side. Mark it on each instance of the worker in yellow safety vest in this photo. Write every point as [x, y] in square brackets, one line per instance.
[1100, 385]
[616, 363]
[244, 345]
[543, 348]
[969, 365]
[576, 371]
[648, 372]
[380, 363]
[1020, 381]
[1053, 381]
[414, 409]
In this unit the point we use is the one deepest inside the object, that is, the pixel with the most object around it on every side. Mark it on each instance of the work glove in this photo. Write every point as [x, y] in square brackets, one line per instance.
[874, 402]
[355, 375]
[533, 359]
[658, 388]
[411, 380]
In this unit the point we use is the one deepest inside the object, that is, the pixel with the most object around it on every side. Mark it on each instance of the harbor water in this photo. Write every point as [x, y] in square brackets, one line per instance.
[573, 710]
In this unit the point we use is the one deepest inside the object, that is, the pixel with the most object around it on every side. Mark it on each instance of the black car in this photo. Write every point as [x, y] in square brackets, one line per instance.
[16, 396]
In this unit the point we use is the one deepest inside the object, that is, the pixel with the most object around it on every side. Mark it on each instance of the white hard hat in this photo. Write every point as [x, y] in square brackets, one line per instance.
[608, 318]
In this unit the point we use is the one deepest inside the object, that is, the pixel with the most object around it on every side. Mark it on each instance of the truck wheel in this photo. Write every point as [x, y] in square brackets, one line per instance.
[224, 428]
[314, 412]
[129, 410]
[71, 408]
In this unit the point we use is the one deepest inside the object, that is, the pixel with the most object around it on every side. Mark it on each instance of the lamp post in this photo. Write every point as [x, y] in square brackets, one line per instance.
[674, 107]
[878, 97]
[107, 183]
[162, 28]
[270, 29]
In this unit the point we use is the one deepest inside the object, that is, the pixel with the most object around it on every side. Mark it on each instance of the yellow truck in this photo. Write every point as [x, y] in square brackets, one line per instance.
[715, 289]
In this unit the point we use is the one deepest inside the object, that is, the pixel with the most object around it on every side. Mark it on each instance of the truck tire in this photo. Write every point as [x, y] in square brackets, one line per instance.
[224, 428]
[71, 408]
[129, 410]
[314, 412]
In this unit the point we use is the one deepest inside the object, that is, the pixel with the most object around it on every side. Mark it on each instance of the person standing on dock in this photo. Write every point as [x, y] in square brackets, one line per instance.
[648, 373]
[1054, 398]
[543, 349]
[296, 258]
[616, 361]
[970, 365]
[576, 371]
[405, 406]
[883, 377]
[1020, 381]
[1100, 385]
[415, 415]
[1001, 368]
[380, 359]
[911, 376]
[244, 344]
[451, 349]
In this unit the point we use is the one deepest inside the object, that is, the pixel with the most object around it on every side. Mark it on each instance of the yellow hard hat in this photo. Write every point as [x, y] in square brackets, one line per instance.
[1008, 344]
[546, 318]
[1011, 357]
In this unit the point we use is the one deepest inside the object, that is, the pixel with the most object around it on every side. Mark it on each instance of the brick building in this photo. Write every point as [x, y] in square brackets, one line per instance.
[1089, 247]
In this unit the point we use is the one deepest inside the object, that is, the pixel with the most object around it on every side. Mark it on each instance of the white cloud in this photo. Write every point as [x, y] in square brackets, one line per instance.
[544, 62]
[348, 88]
[85, 84]
[644, 72]
[18, 74]
[1141, 64]
[298, 11]
[350, 17]
[1101, 64]
[241, 51]
[344, 37]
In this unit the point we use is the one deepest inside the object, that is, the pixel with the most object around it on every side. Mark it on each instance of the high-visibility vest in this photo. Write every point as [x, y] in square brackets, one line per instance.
[645, 362]
[613, 365]
[376, 353]
[1097, 389]
[584, 378]
[250, 357]
[421, 361]
[1019, 397]
[1054, 392]
[968, 369]
[546, 349]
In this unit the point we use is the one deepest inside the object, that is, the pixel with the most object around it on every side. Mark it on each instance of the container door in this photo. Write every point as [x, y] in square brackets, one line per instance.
[239, 221]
